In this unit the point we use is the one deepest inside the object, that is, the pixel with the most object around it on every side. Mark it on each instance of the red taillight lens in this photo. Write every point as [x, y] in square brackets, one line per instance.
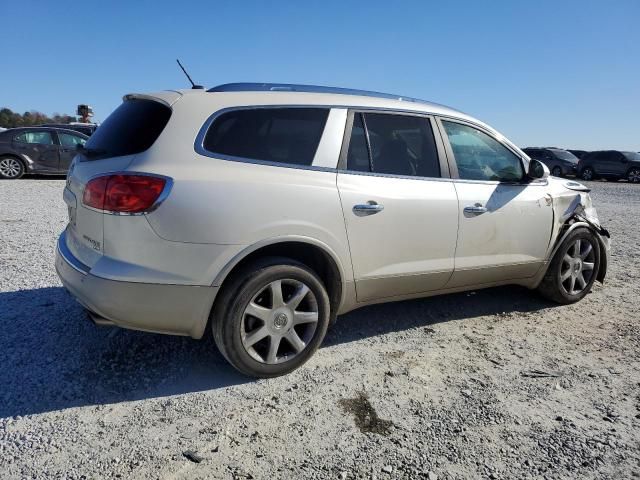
[123, 193]
[94, 191]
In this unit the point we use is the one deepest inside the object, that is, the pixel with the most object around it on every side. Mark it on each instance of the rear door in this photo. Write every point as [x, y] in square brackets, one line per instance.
[505, 221]
[68, 146]
[400, 209]
[40, 147]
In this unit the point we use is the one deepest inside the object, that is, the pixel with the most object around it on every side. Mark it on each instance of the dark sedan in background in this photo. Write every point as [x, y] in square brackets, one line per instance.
[37, 150]
[561, 162]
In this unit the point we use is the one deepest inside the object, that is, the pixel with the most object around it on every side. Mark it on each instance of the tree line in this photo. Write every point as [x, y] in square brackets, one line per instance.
[10, 119]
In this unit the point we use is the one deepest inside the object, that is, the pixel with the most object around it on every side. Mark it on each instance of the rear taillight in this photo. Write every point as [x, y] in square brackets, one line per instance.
[123, 193]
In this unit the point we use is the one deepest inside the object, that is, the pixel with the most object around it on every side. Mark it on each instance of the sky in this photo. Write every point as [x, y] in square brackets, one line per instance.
[544, 73]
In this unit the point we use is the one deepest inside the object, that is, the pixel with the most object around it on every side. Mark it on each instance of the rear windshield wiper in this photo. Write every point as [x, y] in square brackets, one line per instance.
[90, 152]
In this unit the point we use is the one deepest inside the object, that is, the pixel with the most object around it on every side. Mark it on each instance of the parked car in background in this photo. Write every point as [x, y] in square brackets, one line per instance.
[561, 163]
[43, 150]
[84, 128]
[264, 211]
[610, 164]
[578, 153]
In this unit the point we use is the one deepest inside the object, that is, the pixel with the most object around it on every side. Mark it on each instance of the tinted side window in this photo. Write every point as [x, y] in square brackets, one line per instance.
[358, 155]
[41, 138]
[282, 135]
[69, 140]
[480, 157]
[399, 145]
[131, 128]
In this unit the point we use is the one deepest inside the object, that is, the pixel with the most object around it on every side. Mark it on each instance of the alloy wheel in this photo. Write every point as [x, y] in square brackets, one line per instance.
[279, 322]
[577, 266]
[587, 174]
[10, 167]
[556, 172]
[634, 175]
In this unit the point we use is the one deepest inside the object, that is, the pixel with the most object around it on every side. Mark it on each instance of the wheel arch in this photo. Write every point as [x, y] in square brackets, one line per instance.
[25, 163]
[569, 227]
[314, 254]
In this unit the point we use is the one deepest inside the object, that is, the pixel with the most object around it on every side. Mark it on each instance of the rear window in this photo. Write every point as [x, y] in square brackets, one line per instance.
[131, 128]
[281, 135]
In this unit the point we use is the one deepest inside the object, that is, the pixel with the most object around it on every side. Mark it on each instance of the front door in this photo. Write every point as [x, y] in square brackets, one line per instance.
[39, 147]
[400, 214]
[505, 221]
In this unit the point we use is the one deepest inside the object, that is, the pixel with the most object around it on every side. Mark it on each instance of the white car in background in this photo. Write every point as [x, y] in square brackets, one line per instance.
[264, 211]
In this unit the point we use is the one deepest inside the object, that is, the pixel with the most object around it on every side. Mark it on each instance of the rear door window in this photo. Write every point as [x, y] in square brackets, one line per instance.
[279, 135]
[132, 128]
[393, 144]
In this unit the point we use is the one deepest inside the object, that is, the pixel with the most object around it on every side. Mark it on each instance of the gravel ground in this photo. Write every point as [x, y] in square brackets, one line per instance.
[446, 387]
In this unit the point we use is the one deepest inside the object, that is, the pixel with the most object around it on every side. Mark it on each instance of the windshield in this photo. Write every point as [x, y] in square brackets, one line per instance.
[564, 155]
[633, 156]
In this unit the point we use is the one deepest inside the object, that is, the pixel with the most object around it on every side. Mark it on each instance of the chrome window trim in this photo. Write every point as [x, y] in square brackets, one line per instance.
[163, 195]
[199, 141]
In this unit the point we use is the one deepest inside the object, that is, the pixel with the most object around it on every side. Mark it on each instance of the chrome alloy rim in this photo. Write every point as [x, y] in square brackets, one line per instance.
[634, 175]
[280, 321]
[577, 267]
[9, 167]
[587, 174]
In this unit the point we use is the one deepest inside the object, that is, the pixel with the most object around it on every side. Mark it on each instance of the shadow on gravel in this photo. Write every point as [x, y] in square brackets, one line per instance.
[52, 357]
[397, 316]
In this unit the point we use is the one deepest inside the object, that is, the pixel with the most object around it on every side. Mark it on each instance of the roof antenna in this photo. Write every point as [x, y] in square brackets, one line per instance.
[193, 85]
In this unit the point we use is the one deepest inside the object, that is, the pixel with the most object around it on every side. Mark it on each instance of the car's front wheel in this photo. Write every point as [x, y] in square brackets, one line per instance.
[11, 168]
[271, 317]
[556, 172]
[587, 173]
[574, 268]
[634, 175]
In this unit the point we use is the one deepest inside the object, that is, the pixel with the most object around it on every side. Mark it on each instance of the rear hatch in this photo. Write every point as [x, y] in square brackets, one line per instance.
[130, 130]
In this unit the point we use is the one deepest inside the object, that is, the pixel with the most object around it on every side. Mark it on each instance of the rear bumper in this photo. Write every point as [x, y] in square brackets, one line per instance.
[160, 308]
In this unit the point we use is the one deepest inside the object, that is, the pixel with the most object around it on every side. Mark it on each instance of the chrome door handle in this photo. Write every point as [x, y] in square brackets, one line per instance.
[476, 209]
[369, 208]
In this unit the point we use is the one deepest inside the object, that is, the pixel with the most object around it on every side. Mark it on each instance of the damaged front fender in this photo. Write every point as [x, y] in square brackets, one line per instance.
[573, 208]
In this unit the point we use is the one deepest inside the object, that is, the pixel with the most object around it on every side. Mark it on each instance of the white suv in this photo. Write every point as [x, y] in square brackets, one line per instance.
[264, 211]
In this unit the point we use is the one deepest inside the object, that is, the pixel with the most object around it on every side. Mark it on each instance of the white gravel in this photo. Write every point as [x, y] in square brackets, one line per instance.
[433, 388]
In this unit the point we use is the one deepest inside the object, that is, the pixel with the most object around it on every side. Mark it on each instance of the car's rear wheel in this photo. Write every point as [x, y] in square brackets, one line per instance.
[634, 175]
[574, 268]
[11, 168]
[587, 173]
[271, 317]
[556, 172]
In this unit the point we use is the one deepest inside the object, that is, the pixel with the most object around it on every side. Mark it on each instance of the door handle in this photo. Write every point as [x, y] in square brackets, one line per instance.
[476, 209]
[368, 208]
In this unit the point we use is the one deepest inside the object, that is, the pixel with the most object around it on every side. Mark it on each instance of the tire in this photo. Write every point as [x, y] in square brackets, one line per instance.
[11, 168]
[256, 332]
[587, 173]
[568, 279]
[556, 172]
[633, 176]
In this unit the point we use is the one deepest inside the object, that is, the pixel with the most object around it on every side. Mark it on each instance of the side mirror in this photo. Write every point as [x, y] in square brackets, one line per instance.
[537, 169]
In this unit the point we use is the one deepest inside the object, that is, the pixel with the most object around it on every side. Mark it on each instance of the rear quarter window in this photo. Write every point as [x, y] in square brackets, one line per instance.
[279, 135]
[132, 128]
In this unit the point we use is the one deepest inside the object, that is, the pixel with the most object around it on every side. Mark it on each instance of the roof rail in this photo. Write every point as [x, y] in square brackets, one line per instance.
[290, 87]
